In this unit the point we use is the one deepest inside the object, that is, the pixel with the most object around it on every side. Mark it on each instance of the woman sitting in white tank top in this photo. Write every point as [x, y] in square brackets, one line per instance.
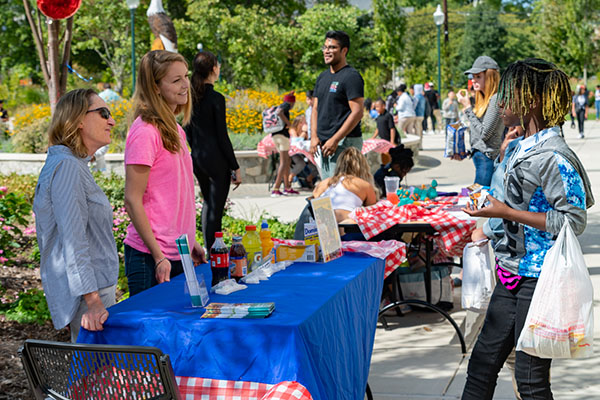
[351, 185]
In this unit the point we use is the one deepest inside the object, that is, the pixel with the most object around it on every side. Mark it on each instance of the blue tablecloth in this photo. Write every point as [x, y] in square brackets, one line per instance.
[321, 333]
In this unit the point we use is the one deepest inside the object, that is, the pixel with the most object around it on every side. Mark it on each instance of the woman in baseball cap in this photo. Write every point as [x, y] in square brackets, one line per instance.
[484, 118]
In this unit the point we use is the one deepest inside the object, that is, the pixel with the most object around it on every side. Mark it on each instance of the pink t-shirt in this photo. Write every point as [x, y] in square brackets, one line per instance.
[169, 196]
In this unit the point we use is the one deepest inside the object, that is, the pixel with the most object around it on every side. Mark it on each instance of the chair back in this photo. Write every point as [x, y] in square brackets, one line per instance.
[68, 371]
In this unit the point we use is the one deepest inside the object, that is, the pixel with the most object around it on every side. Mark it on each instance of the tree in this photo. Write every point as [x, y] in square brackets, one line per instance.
[57, 40]
[567, 33]
[103, 26]
[484, 35]
[389, 29]
[17, 43]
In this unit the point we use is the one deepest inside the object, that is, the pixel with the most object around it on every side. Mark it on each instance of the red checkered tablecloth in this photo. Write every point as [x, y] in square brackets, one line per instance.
[453, 233]
[392, 251]
[216, 389]
[376, 145]
[266, 147]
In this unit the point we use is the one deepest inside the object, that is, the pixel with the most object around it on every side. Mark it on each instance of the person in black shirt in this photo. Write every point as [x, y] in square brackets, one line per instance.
[432, 97]
[282, 143]
[215, 165]
[338, 104]
[386, 129]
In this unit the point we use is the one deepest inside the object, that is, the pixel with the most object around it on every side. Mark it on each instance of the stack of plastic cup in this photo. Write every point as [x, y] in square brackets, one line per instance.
[391, 186]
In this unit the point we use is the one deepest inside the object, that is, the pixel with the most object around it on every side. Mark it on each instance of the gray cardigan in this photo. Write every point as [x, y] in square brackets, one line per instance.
[486, 133]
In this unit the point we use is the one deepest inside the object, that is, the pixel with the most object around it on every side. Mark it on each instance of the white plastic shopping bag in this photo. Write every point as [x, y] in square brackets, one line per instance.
[560, 321]
[477, 281]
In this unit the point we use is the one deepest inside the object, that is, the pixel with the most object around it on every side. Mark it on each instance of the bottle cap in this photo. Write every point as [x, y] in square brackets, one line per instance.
[264, 225]
[237, 238]
[250, 227]
[218, 234]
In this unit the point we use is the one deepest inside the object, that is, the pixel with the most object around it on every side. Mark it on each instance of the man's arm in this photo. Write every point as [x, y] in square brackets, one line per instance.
[314, 139]
[393, 135]
[356, 114]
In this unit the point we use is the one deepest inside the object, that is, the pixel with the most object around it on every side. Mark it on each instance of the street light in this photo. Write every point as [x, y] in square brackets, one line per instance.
[438, 18]
[132, 5]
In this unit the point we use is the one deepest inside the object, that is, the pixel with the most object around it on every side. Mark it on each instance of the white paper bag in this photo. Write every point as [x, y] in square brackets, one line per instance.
[477, 281]
[560, 321]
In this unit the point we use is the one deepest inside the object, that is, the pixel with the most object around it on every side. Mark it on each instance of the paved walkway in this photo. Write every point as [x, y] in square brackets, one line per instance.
[420, 357]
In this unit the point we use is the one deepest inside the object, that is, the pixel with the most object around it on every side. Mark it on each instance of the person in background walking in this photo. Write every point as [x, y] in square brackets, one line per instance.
[215, 165]
[420, 105]
[79, 264]
[450, 109]
[405, 111]
[597, 102]
[282, 143]
[484, 118]
[338, 104]
[433, 98]
[159, 176]
[580, 109]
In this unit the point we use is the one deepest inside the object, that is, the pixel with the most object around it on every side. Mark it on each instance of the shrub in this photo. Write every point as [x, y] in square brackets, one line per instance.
[29, 307]
[15, 211]
[31, 137]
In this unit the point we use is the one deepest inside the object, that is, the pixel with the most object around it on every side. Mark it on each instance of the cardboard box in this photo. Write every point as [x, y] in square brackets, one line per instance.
[284, 252]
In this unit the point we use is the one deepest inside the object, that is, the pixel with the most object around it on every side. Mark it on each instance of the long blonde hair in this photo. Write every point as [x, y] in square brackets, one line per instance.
[64, 127]
[490, 88]
[151, 106]
[351, 162]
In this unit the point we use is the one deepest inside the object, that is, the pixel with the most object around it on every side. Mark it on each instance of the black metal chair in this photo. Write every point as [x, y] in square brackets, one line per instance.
[66, 371]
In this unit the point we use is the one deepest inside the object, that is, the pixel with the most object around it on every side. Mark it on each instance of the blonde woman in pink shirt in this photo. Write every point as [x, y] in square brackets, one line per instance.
[159, 180]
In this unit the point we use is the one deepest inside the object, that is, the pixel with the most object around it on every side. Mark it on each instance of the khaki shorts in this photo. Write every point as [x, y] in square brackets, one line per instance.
[282, 143]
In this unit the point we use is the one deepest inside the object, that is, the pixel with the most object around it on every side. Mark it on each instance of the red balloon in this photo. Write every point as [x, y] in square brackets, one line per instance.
[58, 9]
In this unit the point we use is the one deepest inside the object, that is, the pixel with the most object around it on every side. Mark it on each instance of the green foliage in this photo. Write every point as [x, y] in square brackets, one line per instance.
[32, 137]
[390, 25]
[22, 184]
[17, 40]
[567, 33]
[484, 35]
[242, 141]
[113, 186]
[30, 307]
[15, 211]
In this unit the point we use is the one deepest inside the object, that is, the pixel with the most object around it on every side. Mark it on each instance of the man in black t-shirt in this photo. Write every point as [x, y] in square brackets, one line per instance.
[432, 97]
[338, 104]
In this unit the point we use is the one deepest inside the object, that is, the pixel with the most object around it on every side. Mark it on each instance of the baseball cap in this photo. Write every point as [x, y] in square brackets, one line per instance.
[289, 98]
[481, 64]
[427, 86]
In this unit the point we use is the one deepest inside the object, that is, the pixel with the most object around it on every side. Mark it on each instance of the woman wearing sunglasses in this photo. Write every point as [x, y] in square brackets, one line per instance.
[79, 265]
[159, 179]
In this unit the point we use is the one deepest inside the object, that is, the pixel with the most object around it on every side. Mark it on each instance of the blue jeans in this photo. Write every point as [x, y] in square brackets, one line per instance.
[597, 110]
[484, 168]
[140, 270]
[503, 324]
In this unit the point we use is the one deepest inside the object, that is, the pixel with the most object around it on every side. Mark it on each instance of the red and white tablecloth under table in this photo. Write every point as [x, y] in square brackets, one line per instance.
[216, 389]
[453, 233]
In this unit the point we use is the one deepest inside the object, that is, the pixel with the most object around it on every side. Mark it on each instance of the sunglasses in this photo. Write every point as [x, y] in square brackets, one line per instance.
[103, 111]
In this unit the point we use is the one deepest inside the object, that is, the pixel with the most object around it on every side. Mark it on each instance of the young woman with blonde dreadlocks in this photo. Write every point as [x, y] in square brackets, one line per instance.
[544, 182]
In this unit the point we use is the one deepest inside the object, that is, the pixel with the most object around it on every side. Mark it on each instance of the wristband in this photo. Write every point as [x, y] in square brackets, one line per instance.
[161, 260]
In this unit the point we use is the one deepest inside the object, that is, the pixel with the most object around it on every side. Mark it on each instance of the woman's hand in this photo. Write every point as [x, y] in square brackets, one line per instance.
[496, 209]
[162, 271]
[463, 98]
[236, 178]
[96, 315]
[198, 255]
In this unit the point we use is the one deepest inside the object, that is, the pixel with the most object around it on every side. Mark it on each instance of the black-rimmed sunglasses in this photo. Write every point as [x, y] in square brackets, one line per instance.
[103, 111]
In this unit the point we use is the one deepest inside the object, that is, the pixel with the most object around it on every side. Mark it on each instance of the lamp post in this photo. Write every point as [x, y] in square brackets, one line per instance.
[438, 18]
[132, 5]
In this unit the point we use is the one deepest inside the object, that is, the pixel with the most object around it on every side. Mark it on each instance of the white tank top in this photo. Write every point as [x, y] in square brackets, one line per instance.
[342, 198]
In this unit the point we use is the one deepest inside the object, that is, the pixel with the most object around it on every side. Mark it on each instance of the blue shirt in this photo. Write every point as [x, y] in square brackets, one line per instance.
[74, 224]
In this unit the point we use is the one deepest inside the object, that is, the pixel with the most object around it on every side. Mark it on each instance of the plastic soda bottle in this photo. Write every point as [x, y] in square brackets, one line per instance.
[237, 257]
[251, 242]
[219, 260]
[266, 243]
